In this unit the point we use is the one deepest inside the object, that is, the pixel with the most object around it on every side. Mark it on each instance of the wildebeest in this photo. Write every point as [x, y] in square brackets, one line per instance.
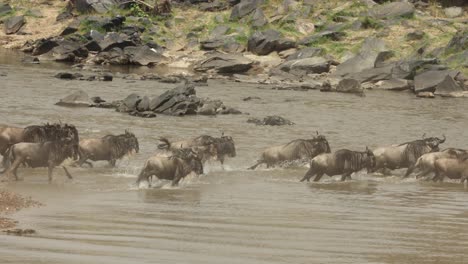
[110, 148]
[426, 163]
[298, 149]
[174, 167]
[215, 148]
[456, 168]
[36, 134]
[406, 154]
[46, 154]
[342, 161]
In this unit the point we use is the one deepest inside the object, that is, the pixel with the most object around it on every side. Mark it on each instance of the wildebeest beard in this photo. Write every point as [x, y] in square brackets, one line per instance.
[417, 148]
[310, 148]
[121, 145]
[51, 132]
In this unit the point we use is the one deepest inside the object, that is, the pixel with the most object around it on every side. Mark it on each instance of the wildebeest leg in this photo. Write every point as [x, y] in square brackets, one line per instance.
[308, 174]
[423, 173]
[409, 171]
[144, 175]
[14, 167]
[50, 171]
[112, 162]
[256, 165]
[346, 175]
[66, 172]
[317, 178]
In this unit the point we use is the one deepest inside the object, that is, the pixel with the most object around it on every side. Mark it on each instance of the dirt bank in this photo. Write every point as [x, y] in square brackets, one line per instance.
[11, 203]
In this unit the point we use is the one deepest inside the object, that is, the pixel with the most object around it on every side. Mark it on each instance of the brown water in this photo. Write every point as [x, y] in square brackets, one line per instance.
[234, 215]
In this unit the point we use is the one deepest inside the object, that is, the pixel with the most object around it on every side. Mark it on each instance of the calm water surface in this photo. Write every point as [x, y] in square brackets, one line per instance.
[232, 215]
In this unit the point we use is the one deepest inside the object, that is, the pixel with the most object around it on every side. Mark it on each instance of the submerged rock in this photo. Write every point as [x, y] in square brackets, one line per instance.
[270, 121]
[76, 99]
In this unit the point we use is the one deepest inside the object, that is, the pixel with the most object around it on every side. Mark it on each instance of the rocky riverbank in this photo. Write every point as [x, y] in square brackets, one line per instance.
[338, 46]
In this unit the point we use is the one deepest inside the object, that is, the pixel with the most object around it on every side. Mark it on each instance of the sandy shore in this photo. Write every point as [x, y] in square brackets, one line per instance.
[10, 203]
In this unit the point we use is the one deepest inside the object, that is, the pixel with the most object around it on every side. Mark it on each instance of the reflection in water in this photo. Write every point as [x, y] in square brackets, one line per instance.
[235, 215]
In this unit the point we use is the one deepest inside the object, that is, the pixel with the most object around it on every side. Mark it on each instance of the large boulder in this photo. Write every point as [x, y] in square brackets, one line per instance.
[373, 74]
[244, 8]
[406, 69]
[454, 11]
[14, 24]
[115, 40]
[76, 99]
[99, 6]
[393, 84]
[458, 43]
[392, 10]
[306, 66]
[5, 9]
[225, 63]
[428, 81]
[130, 103]
[259, 19]
[68, 51]
[449, 87]
[181, 90]
[42, 46]
[263, 43]
[372, 51]
[349, 86]
[115, 56]
[143, 56]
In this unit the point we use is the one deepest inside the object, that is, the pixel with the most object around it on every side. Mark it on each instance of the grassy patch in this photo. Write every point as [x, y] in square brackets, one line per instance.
[369, 22]
[88, 25]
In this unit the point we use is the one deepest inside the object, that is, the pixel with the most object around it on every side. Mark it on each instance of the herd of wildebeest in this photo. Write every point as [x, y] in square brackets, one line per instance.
[49, 145]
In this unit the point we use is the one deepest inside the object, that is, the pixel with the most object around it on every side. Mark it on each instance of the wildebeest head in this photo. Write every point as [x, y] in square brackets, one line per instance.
[434, 142]
[321, 144]
[131, 142]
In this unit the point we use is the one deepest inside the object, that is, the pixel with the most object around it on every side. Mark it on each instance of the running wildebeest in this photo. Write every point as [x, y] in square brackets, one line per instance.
[36, 134]
[456, 168]
[174, 167]
[110, 148]
[46, 154]
[426, 163]
[298, 149]
[342, 161]
[406, 154]
[215, 148]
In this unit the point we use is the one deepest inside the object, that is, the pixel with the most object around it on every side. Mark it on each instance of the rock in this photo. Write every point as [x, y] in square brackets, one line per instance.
[428, 81]
[392, 10]
[144, 114]
[99, 6]
[270, 121]
[210, 107]
[225, 63]
[244, 8]
[66, 50]
[185, 90]
[130, 103]
[415, 35]
[406, 69]
[449, 87]
[144, 104]
[69, 30]
[43, 46]
[371, 52]
[212, 44]
[97, 100]
[306, 66]
[143, 56]
[219, 31]
[216, 5]
[114, 56]
[76, 99]
[263, 43]
[20, 232]
[106, 77]
[329, 34]
[250, 98]
[115, 40]
[372, 75]
[425, 95]
[306, 53]
[453, 12]
[259, 19]
[5, 9]
[458, 43]
[68, 75]
[30, 60]
[65, 15]
[305, 27]
[349, 86]
[14, 24]
[394, 84]
[233, 47]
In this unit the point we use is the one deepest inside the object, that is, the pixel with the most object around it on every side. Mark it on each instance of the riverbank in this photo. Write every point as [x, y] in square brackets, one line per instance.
[11, 203]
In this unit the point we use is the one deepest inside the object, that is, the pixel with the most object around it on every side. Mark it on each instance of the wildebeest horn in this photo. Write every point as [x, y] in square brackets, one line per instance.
[317, 132]
[424, 135]
[443, 140]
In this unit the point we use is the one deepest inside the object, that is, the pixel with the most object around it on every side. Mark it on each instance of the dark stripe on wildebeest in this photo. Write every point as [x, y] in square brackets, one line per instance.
[109, 147]
[406, 154]
[46, 154]
[217, 148]
[343, 161]
[299, 149]
[179, 164]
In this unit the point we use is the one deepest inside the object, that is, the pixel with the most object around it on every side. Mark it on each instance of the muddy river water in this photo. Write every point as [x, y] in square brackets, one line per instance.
[233, 215]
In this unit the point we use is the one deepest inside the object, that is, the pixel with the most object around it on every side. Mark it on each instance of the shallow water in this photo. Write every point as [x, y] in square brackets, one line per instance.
[234, 215]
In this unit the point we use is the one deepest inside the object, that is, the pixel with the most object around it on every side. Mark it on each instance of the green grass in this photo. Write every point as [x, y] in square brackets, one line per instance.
[88, 25]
